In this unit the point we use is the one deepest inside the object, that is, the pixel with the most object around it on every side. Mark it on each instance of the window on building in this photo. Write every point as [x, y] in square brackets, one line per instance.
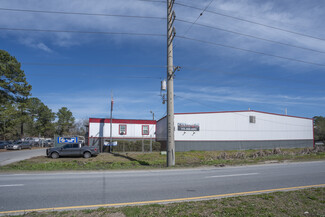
[145, 129]
[252, 119]
[122, 129]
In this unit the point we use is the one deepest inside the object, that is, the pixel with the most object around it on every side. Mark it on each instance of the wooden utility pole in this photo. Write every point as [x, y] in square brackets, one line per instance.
[170, 84]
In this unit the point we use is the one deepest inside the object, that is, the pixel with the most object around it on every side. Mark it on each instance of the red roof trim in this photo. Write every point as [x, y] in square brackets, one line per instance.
[121, 121]
[242, 111]
[124, 138]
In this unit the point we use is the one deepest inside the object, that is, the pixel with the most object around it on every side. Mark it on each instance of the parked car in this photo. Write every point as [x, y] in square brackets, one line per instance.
[31, 140]
[72, 150]
[19, 145]
[48, 143]
[3, 144]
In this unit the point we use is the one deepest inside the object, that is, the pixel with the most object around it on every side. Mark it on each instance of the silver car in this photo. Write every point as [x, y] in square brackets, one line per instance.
[19, 145]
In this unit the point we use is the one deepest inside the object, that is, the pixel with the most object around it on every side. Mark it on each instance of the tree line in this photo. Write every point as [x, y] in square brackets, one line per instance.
[24, 116]
[319, 128]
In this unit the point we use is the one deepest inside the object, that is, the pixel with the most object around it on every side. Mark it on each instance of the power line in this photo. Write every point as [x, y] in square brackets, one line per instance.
[93, 65]
[247, 35]
[190, 68]
[241, 19]
[81, 13]
[180, 20]
[97, 76]
[250, 21]
[262, 85]
[246, 75]
[83, 32]
[190, 27]
[158, 1]
[161, 35]
[251, 51]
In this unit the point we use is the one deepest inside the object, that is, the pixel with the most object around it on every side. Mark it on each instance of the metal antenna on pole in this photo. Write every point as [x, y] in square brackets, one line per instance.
[110, 128]
[170, 84]
[153, 115]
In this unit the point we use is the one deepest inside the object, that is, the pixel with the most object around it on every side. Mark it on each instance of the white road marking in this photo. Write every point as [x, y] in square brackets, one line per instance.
[232, 175]
[16, 185]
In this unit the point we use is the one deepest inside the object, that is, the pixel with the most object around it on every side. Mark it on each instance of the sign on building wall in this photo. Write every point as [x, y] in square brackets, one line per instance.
[107, 143]
[188, 127]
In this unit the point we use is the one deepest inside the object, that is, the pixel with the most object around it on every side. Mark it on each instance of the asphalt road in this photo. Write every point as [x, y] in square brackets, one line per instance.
[12, 156]
[33, 191]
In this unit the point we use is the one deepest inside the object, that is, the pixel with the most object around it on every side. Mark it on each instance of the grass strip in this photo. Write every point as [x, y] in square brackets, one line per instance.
[118, 161]
[305, 202]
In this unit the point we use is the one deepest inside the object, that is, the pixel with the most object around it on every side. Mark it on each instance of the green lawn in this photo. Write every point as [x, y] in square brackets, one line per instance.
[154, 160]
[306, 202]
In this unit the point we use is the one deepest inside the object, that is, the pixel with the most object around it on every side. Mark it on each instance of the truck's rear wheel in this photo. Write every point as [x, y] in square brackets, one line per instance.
[87, 154]
[55, 155]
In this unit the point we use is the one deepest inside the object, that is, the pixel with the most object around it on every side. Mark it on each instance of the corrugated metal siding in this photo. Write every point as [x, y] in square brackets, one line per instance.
[239, 145]
[233, 131]
[132, 131]
[236, 126]
[161, 134]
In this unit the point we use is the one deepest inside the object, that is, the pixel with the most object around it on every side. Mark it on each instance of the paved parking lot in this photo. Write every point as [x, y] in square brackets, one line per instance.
[8, 157]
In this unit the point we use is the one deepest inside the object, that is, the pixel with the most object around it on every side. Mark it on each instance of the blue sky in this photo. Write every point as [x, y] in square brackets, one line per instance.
[87, 67]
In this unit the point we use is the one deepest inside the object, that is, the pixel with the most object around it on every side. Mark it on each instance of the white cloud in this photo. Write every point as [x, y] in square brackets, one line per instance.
[242, 95]
[272, 13]
[43, 47]
[34, 44]
[79, 22]
[296, 15]
[285, 15]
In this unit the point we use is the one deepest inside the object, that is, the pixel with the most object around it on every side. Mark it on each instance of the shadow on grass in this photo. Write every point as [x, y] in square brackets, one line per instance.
[143, 163]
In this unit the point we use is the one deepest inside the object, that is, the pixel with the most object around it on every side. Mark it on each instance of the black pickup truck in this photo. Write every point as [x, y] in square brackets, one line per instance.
[72, 150]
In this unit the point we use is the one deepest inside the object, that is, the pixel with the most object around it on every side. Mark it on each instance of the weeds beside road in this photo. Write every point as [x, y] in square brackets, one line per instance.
[106, 161]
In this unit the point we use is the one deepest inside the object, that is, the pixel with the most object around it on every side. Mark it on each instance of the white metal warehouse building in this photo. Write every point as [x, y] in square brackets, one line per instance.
[237, 130]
